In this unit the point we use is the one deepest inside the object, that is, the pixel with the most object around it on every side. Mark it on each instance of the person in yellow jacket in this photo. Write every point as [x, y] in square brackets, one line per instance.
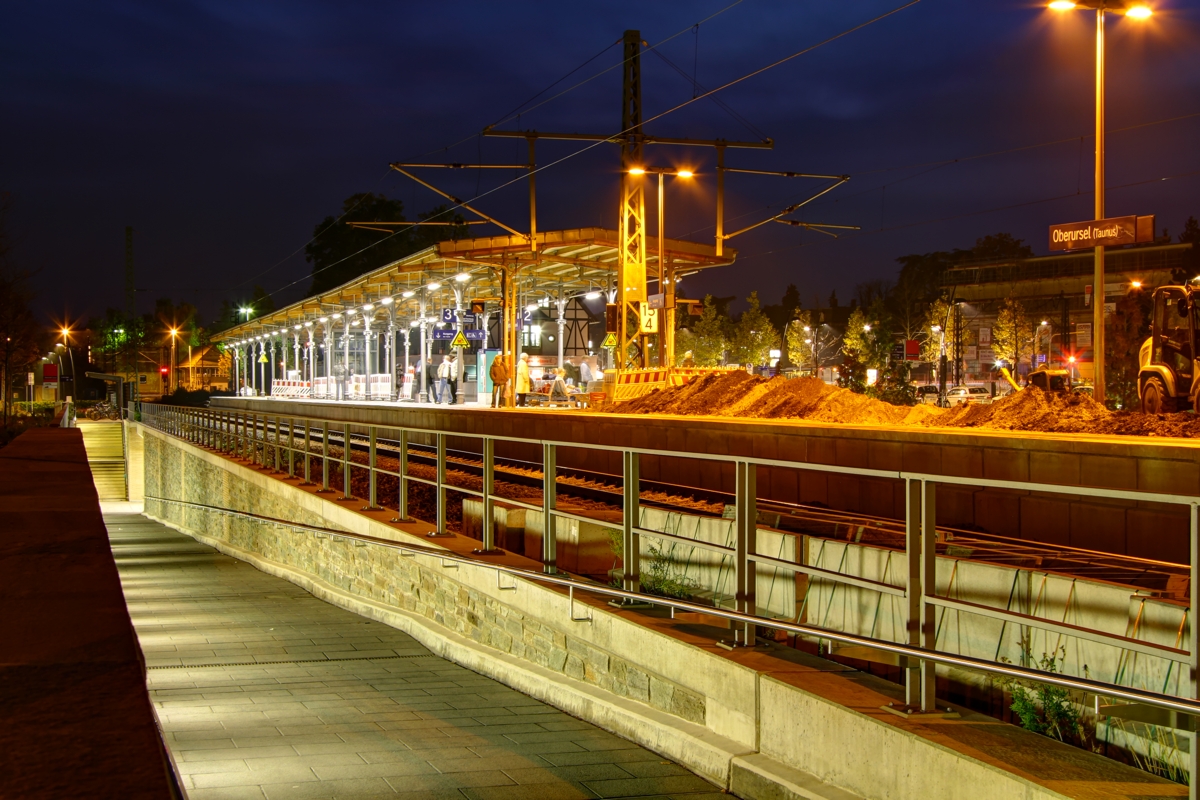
[522, 378]
[499, 376]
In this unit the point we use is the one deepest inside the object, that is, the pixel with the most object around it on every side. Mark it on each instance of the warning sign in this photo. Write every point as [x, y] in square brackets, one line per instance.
[460, 340]
[610, 340]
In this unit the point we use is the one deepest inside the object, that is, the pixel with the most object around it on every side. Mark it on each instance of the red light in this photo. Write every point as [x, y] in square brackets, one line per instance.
[1071, 359]
[163, 370]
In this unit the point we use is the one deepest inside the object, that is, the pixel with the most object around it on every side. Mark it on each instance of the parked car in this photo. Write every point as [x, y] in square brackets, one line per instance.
[961, 395]
[927, 395]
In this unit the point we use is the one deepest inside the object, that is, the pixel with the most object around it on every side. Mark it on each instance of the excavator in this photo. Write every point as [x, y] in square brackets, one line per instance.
[1167, 360]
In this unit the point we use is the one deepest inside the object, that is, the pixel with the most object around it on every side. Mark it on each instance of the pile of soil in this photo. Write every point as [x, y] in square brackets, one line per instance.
[741, 395]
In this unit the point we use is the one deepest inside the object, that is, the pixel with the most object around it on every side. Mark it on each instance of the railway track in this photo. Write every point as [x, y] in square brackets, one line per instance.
[806, 519]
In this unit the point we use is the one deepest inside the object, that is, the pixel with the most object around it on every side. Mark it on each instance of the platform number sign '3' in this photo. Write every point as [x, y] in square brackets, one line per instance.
[648, 317]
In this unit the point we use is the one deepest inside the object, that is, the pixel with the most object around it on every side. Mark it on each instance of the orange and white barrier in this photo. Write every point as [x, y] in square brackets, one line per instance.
[626, 384]
[282, 388]
[379, 387]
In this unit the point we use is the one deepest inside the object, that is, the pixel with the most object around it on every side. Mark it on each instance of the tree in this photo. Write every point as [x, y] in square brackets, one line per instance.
[1011, 334]
[810, 342]
[340, 253]
[941, 315]
[1191, 231]
[753, 335]
[1125, 330]
[867, 344]
[1000, 247]
[705, 338]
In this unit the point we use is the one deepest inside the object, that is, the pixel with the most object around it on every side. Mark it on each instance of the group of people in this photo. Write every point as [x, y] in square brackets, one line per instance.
[443, 378]
[580, 375]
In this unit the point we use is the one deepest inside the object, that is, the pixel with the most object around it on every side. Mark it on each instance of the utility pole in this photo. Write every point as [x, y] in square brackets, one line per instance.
[631, 264]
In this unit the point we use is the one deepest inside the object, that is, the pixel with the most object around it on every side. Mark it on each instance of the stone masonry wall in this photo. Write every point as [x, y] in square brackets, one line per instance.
[384, 575]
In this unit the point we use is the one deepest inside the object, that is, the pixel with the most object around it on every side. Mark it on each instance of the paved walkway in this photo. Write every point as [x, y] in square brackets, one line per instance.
[265, 691]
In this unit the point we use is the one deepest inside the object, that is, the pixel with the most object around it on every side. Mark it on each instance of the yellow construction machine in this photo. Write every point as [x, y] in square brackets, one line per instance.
[1167, 360]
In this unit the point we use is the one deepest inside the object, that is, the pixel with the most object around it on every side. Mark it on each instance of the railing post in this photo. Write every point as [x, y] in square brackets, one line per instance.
[441, 483]
[307, 450]
[745, 546]
[631, 556]
[928, 587]
[549, 504]
[372, 462]
[1193, 645]
[919, 676]
[489, 485]
[291, 445]
[402, 469]
[324, 457]
[346, 462]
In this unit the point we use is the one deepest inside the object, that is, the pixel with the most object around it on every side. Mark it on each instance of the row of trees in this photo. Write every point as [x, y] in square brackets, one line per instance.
[22, 339]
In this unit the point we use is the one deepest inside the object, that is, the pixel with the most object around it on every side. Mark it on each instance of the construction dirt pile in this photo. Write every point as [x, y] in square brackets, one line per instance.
[738, 394]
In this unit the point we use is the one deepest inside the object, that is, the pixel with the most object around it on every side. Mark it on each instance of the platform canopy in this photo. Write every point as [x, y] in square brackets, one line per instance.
[564, 264]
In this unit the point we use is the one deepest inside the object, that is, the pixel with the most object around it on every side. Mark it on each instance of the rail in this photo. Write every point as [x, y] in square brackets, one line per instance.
[274, 441]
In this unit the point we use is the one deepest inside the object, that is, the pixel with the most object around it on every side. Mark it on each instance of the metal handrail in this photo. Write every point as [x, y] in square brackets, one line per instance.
[1167, 702]
[243, 433]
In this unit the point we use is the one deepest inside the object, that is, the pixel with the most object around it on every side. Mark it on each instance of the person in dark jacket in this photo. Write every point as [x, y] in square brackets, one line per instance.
[499, 376]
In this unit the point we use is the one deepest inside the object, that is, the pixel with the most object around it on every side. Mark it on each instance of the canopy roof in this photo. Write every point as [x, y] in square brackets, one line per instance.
[565, 264]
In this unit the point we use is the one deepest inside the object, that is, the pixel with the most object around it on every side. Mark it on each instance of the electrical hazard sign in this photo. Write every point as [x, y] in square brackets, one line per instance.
[610, 340]
[460, 340]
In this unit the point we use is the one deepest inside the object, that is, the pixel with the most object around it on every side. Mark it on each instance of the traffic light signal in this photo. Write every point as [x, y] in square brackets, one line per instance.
[162, 370]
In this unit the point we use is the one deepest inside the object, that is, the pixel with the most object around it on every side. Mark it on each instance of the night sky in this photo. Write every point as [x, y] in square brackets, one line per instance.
[224, 131]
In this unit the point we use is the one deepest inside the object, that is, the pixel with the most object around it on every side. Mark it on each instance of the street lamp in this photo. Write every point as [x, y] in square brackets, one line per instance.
[1134, 10]
[66, 334]
[174, 336]
[666, 279]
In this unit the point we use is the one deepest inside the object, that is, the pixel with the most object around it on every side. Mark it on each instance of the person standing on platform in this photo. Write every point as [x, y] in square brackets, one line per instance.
[431, 378]
[572, 371]
[452, 378]
[499, 376]
[443, 377]
[585, 374]
[688, 360]
[522, 378]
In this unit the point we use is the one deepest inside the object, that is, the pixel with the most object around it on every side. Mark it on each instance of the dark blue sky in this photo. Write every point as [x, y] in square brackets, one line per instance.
[224, 131]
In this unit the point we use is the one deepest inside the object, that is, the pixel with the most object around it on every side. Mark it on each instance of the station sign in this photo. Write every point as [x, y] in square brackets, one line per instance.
[657, 300]
[449, 336]
[448, 315]
[1110, 232]
[524, 318]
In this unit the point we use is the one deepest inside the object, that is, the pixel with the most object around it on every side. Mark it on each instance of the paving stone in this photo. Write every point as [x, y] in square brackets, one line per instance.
[286, 729]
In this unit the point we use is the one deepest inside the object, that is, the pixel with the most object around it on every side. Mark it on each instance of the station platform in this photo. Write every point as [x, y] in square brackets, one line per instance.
[264, 691]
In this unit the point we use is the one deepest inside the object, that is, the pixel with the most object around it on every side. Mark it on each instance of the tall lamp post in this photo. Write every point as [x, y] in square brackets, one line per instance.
[172, 382]
[1133, 10]
[66, 334]
[666, 278]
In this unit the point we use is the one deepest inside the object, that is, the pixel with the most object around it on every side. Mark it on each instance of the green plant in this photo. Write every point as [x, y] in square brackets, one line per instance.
[660, 576]
[1045, 709]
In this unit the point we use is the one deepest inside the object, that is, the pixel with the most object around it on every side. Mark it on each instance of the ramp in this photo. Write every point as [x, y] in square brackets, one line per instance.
[105, 445]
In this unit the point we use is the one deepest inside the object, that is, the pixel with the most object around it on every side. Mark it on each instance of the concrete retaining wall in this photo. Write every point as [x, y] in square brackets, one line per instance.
[737, 719]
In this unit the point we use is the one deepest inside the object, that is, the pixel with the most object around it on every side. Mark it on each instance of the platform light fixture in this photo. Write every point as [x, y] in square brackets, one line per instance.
[462, 277]
[1135, 284]
[337, 316]
[433, 286]
[592, 296]
[323, 319]
[368, 307]
[531, 307]
[387, 301]
[308, 324]
[407, 294]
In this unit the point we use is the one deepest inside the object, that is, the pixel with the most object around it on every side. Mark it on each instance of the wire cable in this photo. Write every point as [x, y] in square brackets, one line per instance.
[593, 145]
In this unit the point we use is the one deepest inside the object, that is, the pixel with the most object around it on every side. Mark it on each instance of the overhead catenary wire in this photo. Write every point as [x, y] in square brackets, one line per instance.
[516, 113]
[965, 214]
[593, 145]
[936, 165]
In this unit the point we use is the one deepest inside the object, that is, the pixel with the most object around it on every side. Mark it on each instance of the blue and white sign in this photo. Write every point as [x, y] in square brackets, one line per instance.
[526, 318]
[447, 334]
[448, 316]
